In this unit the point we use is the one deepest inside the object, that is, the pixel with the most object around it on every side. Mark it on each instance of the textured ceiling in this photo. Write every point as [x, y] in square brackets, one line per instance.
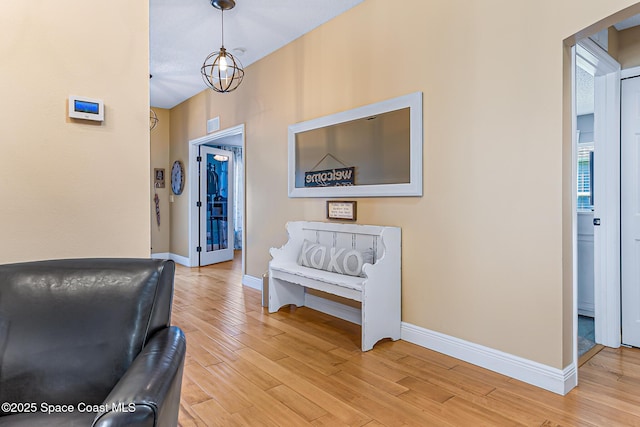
[184, 32]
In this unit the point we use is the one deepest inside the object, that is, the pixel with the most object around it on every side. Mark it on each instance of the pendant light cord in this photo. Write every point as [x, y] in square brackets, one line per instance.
[222, 10]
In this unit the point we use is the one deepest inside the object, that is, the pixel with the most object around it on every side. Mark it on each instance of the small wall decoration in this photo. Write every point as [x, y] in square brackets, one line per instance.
[330, 177]
[341, 209]
[156, 200]
[177, 177]
[158, 173]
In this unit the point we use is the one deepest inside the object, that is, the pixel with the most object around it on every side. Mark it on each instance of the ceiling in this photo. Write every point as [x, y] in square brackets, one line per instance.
[634, 21]
[183, 32]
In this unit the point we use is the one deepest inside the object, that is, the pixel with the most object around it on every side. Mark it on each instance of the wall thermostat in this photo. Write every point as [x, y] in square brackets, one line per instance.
[86, 108]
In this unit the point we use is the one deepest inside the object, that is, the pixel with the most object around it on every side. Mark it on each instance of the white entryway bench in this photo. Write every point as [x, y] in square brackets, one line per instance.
[341, 249]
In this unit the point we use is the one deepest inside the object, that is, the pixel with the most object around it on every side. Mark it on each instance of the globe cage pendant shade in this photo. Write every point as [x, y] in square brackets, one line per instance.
[153, 119]
[221, 71]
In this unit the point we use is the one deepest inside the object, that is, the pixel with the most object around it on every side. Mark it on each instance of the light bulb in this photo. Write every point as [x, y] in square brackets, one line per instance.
[223, 63]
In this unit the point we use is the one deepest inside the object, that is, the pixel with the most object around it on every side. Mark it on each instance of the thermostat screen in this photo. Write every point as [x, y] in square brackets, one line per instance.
[86, 107]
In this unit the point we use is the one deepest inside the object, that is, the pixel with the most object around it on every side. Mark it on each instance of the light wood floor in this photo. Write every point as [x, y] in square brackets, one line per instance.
[245, 367]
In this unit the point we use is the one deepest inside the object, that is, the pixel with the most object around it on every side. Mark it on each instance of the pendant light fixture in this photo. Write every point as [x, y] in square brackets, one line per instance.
[221, 71]
[153, 117]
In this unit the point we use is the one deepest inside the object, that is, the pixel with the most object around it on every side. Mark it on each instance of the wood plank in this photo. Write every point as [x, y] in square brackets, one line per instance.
[386, 408]
[325, 400]
[262, 400]
[192, 393]
[371, 377]
[462, 412]
[225, 394]
[313, 357]
[187, 417]
[299, 404]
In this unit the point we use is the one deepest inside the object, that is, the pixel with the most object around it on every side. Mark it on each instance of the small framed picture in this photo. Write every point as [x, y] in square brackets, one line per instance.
[158, 174]
[341, 209]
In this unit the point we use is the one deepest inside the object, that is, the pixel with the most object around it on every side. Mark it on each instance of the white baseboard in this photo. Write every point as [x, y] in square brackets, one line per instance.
[182, 260]
[162, 255]
[559, 381]
[341, 311]
[177, 258]
[252, 282]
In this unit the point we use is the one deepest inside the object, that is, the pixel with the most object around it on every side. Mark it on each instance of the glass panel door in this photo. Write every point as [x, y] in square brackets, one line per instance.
[216, 196]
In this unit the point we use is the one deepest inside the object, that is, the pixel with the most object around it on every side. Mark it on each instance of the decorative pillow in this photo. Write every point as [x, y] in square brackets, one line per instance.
[337, 260]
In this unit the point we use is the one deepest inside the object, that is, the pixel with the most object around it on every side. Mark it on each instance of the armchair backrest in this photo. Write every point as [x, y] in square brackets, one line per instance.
[69, 329]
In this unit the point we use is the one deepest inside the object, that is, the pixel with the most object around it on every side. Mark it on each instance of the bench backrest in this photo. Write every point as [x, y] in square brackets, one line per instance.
[364, 238]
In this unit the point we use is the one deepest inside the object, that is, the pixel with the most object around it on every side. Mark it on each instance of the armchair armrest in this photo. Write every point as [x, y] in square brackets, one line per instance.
[148, 394]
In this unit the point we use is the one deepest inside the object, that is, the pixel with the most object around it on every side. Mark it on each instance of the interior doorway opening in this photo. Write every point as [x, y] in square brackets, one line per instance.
[233, 140]
[596, 190]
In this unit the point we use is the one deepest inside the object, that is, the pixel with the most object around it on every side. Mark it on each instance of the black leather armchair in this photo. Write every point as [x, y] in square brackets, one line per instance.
[87, 342]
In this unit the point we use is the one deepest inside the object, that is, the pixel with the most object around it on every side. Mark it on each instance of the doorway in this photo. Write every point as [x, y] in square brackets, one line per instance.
[220, 224]
[597, 196]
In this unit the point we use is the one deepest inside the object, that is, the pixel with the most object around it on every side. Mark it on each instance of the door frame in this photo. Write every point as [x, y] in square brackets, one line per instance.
[193, 191]
[607, 74]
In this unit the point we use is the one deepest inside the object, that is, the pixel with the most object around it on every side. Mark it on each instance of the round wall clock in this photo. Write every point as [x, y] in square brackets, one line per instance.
[177, 177]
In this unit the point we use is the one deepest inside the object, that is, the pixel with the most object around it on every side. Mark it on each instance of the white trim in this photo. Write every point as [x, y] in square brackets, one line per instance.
[192, 183]
[593, 59]
[559, 381]
[182, 260]
[628, 73]
[574, 208]
[334, 308]
[252, 282]
[161, 255]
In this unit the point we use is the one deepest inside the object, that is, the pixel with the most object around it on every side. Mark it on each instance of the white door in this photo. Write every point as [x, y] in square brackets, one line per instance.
[216, 205]
[630, 211]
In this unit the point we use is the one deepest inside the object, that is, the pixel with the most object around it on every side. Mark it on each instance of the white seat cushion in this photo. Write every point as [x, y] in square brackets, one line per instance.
[351, 282]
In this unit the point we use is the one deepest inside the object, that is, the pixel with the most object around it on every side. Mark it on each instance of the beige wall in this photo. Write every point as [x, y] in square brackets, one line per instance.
[614, 44]
[187, 123]
[160, 159]
[487, 250]
[72, 188]
[629, 47]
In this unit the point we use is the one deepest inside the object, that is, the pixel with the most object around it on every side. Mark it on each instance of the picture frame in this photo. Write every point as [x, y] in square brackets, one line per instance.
[158, 174]
[342, 210]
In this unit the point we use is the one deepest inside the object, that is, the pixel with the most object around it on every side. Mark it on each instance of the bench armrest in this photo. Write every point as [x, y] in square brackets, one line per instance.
[290, 251]
[148, 394]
